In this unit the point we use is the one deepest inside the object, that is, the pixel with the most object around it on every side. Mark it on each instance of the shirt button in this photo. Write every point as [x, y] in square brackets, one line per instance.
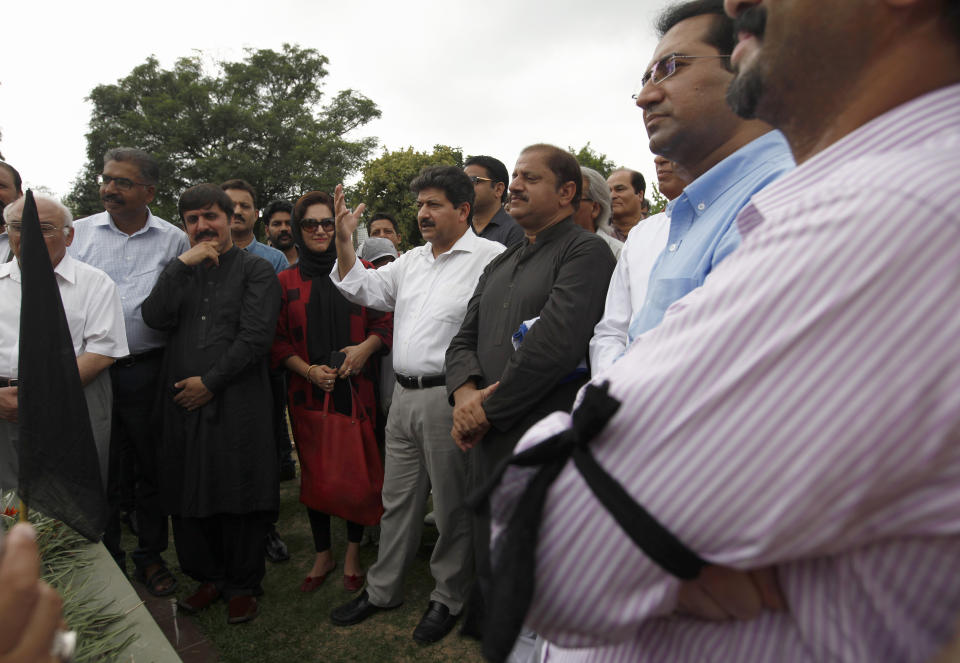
[672, 248]
[701, 207]
[203, 317]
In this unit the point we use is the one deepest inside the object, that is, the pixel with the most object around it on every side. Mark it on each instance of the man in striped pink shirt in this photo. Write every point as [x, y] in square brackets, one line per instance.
[802, 408]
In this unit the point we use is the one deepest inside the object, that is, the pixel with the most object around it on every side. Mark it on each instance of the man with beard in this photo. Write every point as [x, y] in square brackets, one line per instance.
[490, 220]
[132, 246]
[802, 408]
[11, 188]
[218, 466]
[276, 219]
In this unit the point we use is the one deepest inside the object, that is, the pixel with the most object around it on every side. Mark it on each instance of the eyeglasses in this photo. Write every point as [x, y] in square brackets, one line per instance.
[311, 225]
[121, 183]
[47, 229]
[477, 178]
[666, 67]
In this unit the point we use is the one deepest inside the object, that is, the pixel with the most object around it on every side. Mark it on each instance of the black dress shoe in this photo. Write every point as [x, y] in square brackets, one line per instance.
[276, 549]
[356, 610]
[435, 623]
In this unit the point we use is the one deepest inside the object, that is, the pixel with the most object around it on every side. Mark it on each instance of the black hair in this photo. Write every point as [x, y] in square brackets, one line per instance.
[17, 181]
[383, 215]
[277, 206]
[563, 165]
[144, 161]
[720, 34]
[496, 171]
[636, 180]
[203, 196]
[454, 183]
[243, 185]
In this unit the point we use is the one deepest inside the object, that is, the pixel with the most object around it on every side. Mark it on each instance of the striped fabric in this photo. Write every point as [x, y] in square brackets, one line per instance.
[801, 409]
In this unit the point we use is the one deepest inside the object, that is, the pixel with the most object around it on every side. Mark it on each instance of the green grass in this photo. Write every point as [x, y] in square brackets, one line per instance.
[296, 627]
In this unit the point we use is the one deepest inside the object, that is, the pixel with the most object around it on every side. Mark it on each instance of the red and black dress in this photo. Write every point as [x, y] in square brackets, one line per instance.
[315, 320]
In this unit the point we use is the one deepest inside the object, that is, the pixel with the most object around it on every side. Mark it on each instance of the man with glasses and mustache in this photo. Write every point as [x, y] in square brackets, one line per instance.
[132, 246]
[218, 463]
[490, 219]
[802, 408]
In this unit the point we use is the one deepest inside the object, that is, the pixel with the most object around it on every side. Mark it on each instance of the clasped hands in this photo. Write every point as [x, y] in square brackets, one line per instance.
[325, 377]
[193, 393]
[470, 422]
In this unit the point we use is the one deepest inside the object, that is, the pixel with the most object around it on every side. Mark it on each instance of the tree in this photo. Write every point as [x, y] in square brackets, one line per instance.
[385, 186]
[590, 158]
[658, 201]
[260, 119]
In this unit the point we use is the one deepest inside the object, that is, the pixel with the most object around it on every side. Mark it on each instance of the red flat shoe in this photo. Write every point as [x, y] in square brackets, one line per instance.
[353, 583]
[312, 583]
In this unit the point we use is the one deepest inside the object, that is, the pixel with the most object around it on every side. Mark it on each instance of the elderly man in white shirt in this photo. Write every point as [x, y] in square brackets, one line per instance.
[628, 285]
[427, 288]
[92, 307]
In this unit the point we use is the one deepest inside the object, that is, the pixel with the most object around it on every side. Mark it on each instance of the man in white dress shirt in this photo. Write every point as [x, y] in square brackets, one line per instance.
[427, 288]
[94, 315]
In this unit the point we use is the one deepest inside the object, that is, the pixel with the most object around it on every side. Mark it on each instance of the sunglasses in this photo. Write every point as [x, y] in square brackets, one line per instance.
[311, 225]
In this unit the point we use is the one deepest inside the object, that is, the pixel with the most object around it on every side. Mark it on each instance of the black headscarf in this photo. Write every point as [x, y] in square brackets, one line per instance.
[328, 313]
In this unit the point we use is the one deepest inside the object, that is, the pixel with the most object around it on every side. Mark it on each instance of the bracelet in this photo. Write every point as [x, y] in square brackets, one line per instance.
[310, 368]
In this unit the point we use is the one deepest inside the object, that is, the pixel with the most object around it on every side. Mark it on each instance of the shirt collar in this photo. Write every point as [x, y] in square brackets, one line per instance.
[104, 219]
[701, 193]
[467, 243]
[65, 269]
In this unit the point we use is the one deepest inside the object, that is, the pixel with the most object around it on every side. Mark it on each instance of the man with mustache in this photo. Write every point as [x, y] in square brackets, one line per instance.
[245, 216]
[218, 463]
[802, 408]
[427, 288]
[132, 246]
[549, 290]
[276, 220]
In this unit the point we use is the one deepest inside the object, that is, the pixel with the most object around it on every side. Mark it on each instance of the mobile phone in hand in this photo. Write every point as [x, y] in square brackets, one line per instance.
[337, 359]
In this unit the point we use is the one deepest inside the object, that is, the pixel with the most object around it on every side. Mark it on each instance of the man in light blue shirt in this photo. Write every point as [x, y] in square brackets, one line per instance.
[133, 246]
[245, 216]
[688, 122]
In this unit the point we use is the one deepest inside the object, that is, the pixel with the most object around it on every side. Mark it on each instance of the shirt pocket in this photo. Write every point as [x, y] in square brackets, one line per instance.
[450, 305]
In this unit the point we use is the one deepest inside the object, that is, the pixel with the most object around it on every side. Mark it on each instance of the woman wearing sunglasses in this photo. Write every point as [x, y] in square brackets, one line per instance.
[325, 343]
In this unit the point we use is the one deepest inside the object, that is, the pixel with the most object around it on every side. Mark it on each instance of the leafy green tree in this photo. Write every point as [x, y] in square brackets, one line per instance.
[589, 157]
[385, 186]
[658, 201]
[264, 119]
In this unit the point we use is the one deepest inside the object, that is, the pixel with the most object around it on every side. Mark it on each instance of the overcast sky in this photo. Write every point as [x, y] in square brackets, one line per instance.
[487, 76]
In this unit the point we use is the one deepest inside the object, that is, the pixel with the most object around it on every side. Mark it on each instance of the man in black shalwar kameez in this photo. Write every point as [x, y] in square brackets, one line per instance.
[218, 467]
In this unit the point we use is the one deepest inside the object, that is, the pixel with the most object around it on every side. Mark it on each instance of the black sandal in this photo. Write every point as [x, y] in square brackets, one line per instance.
[161, 575]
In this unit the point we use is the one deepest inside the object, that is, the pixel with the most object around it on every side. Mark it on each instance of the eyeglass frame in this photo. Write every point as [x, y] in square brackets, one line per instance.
[328, 224]
[122, 183]
[16, 228]
[650, 74]
[478, 178]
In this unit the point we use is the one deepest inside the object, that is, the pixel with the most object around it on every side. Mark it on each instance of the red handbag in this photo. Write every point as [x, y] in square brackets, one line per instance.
[340, 468]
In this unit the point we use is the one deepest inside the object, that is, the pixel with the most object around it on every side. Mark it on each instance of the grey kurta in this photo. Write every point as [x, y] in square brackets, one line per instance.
[219, 458]
[562, 278]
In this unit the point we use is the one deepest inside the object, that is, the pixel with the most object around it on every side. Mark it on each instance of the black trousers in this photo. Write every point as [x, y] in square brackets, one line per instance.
[134, 394]
[226, 549]
[320, 526]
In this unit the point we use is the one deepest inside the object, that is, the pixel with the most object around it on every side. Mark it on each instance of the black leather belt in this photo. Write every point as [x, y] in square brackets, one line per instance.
[133, 360]
[421, 381]
[9, 382]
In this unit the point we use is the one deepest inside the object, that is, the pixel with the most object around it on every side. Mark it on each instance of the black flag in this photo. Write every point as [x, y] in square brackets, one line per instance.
[59, 469]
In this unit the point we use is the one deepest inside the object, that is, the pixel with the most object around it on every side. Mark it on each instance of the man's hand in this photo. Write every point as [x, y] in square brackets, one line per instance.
[346, 224]
[722, 594]
[30, 610]
[200, 252]
[193, 393]
[8, 404]
[347, 221]
[470, 422]
[357, 356]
